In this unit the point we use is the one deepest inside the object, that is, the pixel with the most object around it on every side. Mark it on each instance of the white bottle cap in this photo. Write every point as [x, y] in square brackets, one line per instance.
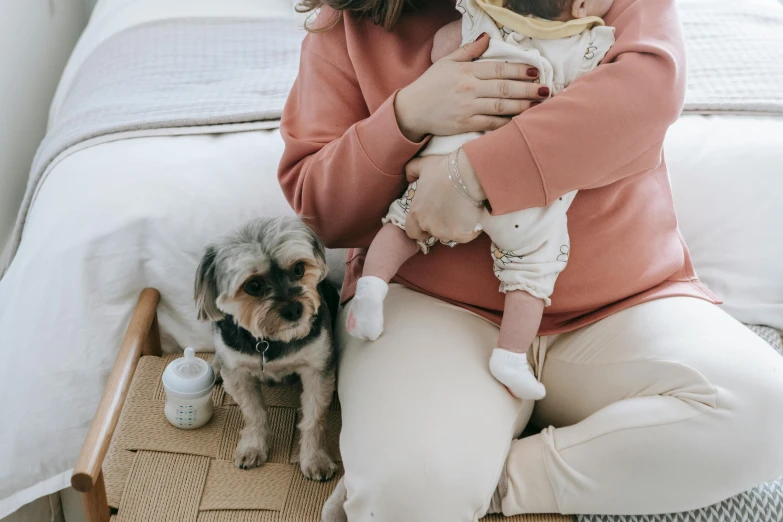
[188, 377]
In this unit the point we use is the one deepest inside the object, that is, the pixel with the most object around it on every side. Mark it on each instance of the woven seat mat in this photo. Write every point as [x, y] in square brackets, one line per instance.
[156, 472]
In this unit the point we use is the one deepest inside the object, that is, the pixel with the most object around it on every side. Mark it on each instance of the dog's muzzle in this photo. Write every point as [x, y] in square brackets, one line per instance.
[292, 311]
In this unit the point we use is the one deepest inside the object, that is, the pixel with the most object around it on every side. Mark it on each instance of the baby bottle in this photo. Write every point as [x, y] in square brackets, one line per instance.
[188, 382]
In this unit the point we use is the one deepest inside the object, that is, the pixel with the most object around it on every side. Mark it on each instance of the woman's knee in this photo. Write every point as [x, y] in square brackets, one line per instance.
[424, 465]
[771, 437]
[426, 428]
[762, 424]
[750, 402]
[424, 491]
[744, 429]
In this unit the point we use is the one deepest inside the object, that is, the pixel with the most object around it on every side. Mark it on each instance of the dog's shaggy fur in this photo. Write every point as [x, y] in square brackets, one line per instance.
[264, 290]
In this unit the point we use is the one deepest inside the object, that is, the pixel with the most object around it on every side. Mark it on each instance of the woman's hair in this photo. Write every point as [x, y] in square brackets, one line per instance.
[548, 9]
[385, 13]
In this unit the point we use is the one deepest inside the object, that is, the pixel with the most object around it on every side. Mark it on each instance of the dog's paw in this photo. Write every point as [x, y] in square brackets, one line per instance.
[251, 452]
[318, 467]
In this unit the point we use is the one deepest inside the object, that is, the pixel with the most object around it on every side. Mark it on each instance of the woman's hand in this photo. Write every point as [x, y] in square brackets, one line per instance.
[458, 95]
[438, 209]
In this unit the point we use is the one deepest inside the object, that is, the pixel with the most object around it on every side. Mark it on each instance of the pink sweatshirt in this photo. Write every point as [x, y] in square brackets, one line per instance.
[344, 159]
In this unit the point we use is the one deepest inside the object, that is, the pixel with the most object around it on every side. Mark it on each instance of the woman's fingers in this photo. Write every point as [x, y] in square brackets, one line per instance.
[470, 51]
[413, 229]
[482, 123]
[413, 170]
[504, 71]
[510, 89]
[501, 107]
[468, 237]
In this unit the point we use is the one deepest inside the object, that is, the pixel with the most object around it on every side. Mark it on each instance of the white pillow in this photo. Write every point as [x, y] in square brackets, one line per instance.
[727, 177]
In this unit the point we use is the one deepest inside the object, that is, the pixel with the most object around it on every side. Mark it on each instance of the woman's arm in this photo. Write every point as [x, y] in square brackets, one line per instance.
[341, 166]
[608, 125]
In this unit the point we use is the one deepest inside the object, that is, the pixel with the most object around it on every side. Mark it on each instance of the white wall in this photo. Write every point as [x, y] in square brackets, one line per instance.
[36, 37]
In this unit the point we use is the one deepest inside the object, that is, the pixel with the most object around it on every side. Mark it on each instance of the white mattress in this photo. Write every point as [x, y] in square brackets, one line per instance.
[120, 216]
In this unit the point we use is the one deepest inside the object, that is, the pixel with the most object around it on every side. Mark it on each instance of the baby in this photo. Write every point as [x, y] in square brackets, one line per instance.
[563, 39]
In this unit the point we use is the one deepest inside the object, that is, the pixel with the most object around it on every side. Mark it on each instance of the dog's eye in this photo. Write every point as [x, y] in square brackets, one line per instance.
[254, 287]
[299, 269]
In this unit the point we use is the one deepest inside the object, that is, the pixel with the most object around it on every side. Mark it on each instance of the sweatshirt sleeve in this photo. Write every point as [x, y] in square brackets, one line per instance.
[606, 126]
[342, 166]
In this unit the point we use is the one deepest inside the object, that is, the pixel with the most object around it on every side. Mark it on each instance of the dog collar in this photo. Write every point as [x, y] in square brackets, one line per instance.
[262, 347]
[237, 338]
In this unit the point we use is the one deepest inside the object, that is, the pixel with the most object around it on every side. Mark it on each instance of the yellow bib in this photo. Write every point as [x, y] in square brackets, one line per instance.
[534, 27]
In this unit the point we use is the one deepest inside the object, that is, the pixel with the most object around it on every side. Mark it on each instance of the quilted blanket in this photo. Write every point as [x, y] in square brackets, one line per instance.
[735, 56]
[170, 77]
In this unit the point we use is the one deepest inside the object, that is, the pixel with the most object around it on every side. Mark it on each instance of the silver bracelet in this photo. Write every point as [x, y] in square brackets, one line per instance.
[456, 185]
[459, 184]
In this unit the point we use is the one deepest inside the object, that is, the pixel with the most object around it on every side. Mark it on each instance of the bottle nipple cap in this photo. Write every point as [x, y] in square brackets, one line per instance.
[188, 376]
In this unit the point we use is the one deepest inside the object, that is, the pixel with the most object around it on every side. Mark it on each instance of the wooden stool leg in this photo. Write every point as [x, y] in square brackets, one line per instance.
[141, 338]
[96, 507]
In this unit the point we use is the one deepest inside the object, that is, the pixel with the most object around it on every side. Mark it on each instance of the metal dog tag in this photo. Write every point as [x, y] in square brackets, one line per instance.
[262, 351]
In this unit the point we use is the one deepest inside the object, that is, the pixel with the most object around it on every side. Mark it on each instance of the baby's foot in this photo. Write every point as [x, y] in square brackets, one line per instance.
[365, 312]
[513, 370]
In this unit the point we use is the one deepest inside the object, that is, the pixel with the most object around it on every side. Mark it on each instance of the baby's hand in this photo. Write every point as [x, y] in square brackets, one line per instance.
[447, 40]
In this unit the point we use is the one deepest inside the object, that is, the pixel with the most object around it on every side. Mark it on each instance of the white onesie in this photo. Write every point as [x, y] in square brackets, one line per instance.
[529, 247]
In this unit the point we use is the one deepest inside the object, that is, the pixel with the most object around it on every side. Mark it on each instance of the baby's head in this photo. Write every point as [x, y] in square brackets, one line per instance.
[562, 10]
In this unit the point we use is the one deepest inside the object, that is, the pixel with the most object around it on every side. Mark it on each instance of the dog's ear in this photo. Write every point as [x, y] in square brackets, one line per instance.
[206, 292]
[319, 253]
[331, 297]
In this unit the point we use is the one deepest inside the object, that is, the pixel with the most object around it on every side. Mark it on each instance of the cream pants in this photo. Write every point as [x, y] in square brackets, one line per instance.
[667, 406]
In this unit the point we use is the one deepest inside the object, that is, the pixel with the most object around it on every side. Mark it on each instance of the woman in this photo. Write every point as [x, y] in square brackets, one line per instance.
[657, 400]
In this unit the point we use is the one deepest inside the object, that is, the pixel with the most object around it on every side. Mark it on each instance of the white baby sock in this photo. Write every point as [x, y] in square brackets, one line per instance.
[365, 311]
[513, 370]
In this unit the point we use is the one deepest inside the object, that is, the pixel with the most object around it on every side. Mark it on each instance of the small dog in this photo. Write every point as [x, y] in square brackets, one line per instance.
[264, 290]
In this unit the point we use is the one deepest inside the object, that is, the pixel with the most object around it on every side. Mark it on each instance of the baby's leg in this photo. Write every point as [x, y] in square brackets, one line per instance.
[508, 364]
[387, 253]
[521, 318]
[529, 250]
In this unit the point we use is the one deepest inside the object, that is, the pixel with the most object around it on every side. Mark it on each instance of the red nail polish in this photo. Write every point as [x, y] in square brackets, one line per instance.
[481, 37]
[543, 91]
[532, 72]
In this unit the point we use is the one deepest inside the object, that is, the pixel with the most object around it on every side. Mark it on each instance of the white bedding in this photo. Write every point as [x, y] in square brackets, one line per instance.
[94, 239]
[727, 178]
[112, 16]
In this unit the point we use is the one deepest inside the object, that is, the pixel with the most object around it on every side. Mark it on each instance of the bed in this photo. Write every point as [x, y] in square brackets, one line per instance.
[135, 209]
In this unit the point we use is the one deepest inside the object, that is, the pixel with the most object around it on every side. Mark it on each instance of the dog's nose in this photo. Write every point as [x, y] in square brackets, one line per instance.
[292, 311]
